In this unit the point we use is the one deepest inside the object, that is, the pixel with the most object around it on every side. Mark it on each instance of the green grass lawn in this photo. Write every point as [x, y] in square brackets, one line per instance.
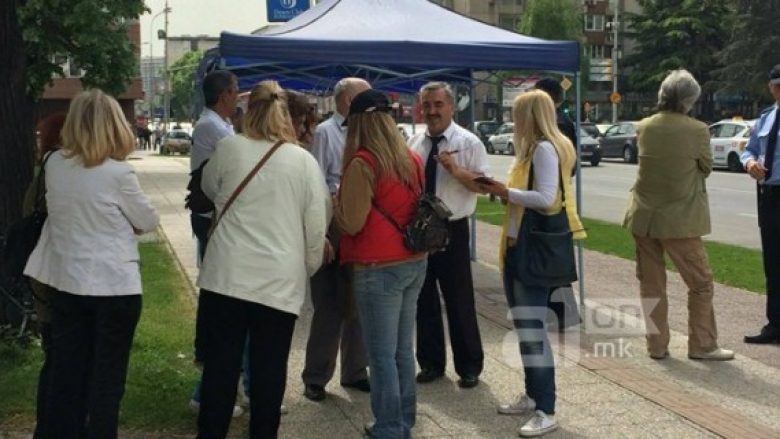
[731, 265]
[161, 375]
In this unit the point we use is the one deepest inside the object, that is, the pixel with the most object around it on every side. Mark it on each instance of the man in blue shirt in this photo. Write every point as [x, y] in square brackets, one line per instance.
[762, 161]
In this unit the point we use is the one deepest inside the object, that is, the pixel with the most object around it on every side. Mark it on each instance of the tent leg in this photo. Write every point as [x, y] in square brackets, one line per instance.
[580, 251]
[472, 106]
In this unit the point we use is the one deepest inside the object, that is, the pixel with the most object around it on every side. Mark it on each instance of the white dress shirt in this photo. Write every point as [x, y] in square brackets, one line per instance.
[327, 146]
[209, 129]
[545, 186]
[87, 246]
[471, 155]
[270, 239]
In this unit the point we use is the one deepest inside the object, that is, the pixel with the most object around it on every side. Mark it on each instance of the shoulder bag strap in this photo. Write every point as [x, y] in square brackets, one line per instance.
[243, 184]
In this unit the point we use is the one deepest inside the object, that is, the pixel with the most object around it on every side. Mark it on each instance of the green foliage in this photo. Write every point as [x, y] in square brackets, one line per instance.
[182, 83]
[612, 239]
[552, 20]
[161, 375]
[672, 34]
[753, 49]
[91, 32]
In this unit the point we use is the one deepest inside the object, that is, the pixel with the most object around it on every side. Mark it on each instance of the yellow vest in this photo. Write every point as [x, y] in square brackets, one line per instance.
[518, 179]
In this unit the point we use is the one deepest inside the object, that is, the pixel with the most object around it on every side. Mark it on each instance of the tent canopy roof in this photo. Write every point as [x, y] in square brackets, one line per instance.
[408, 40]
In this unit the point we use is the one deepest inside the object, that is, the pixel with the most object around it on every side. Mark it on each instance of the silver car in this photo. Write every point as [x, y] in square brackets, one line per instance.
[502, 141]
[620, 140]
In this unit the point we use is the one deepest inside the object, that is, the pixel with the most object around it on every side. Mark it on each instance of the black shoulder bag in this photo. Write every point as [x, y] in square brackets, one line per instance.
[544, 254]
[22, 236]
[196, 200]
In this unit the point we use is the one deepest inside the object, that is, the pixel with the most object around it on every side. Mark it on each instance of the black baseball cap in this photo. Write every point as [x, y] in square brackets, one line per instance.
[368, 101]
[774, 75]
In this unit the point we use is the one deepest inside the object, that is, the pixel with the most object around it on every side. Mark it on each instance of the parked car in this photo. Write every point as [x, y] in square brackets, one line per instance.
[728, 139]
[406, 129]
[590, 150]
[484, 129]
[176, 141]
[592, 129]
[501, 141]
[620, 140]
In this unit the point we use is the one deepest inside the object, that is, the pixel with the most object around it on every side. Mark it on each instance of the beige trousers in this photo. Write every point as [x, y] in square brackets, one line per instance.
[690, 258]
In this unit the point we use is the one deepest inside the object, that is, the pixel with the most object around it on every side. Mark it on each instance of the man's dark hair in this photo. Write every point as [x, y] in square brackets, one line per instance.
[552, 87]
[215, 83]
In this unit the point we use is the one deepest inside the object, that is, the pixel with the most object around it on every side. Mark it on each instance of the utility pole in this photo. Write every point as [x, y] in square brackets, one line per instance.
[615, 27]
[166, 89]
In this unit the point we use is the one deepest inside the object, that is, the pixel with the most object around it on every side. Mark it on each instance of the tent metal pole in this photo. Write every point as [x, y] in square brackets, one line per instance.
[580, 251]
[472, 116]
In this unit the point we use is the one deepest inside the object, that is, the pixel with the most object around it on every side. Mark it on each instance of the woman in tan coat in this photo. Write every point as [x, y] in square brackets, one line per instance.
[669, 213]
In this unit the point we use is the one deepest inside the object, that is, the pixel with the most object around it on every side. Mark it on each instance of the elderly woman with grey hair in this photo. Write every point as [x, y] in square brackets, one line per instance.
[668, 213]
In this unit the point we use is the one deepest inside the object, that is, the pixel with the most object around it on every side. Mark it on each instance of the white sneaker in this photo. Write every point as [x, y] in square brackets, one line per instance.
[522, 404]
[716, 355]
[195, 407]
[541, 423]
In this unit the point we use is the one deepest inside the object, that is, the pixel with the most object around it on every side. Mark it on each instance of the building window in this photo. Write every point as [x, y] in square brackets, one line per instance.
[594, 22]
[508, 21]
[597, 51]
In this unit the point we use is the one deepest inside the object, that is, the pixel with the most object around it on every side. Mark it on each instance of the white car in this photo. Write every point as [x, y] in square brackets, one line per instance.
[406, 129]
[728, 139]
[501, 142]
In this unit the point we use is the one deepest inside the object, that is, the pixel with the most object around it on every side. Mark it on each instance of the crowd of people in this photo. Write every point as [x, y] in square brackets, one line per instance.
[304, 207]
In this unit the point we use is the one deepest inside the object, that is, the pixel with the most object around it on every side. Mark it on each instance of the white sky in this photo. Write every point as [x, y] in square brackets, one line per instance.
[195, 17]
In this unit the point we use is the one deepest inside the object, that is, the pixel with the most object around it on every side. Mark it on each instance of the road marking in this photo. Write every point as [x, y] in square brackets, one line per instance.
[620, 195]
[749, 215]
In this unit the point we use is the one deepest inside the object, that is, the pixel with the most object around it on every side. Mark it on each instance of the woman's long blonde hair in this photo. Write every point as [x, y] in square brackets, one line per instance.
[96, 129]
[534, 115]
[377, 133]
[267, 117]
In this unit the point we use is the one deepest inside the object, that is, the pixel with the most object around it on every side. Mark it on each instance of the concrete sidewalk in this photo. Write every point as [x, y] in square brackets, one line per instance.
[607, 386]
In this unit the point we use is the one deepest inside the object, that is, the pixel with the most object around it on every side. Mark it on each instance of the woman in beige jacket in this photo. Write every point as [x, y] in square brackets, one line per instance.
[669, 213]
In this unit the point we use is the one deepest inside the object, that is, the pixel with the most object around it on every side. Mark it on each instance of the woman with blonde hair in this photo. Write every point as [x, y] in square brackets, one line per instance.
[272, 209]
[379, 191]
[88, 254]
[544, 153]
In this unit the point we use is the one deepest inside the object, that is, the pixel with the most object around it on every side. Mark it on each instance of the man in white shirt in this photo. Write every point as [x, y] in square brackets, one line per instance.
[335, 321]
[220, 92]
[446, 142]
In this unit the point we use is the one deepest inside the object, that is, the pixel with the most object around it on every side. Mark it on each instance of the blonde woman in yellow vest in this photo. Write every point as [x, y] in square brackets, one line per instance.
[537, 141]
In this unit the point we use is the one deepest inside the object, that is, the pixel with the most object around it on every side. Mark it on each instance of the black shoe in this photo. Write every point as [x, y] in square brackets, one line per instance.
[768, 334]
[468, 381]
[314, 392]
[428, 375]
[362, 385]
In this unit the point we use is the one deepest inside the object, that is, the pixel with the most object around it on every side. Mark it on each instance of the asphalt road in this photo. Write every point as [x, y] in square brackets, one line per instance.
[605, 194]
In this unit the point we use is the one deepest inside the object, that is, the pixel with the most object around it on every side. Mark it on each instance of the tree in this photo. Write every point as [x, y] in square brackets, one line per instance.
[182, 74]
[673, 34]
[556, 20]
[753, 48]
[33, 33]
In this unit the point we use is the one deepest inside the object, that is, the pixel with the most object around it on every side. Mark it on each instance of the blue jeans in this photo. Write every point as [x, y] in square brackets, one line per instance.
[244, 375]
[529, 314]
[387, 304]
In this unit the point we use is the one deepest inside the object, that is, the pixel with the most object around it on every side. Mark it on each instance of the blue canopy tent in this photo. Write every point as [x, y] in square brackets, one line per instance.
[397, 45]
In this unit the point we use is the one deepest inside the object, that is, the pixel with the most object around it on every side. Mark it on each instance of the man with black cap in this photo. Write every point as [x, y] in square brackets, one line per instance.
[553, 88]
[762, 161]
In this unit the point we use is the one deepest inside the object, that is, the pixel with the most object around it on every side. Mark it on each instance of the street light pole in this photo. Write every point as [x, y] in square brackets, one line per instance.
[615, 27]
[166, 90]
[153, 76]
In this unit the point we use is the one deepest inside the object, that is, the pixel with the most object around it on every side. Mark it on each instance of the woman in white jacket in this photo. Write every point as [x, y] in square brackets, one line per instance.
[88, 253]
[260, 255]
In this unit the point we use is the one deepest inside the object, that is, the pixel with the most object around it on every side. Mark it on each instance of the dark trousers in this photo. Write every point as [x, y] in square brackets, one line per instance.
[334, 324]
[226, 324]
[451, 270]
[90, 350]
[200, 228]
[44, 382]
[769, 222]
